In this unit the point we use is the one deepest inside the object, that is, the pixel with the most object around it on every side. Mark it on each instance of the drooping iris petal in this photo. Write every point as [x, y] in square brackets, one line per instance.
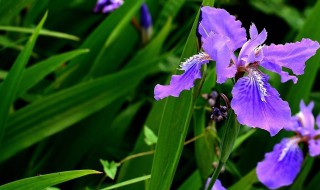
[219, 21]
[257, 104]
[185, 81]
[217, 185]
[251, 45]
[289, 55]
[216, 46]
[314, 147]
[281, 166]
[318, 121]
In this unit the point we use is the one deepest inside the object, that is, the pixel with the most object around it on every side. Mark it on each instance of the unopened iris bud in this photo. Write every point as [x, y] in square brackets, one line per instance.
[146, 23]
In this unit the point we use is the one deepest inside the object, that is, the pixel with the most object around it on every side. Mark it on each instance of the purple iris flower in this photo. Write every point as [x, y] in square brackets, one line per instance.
[217, 185]
[281, 166]
[146, 23]
[254, 101]
[107, 6]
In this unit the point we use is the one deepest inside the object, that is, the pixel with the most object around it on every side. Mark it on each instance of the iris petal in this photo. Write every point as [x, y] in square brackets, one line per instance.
[217, 185]
[306, 117]
[216, 46]
[314, 147]
[249, 47]
[289, 55]
[281, 166]
[185, 81]
[257, 104]
[219, 21]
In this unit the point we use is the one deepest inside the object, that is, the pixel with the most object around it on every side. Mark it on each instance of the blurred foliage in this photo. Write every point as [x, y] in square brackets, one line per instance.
[79, 89]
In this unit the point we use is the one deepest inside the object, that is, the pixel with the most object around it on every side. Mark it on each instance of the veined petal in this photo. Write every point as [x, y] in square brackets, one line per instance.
[217, 185]
[289, 55]
[278, 69]
[314, 147]
[216, 46]
[257, 104]
[251, 46]
[281, 166]
[318, 121]
[185, 81]
[219, 21]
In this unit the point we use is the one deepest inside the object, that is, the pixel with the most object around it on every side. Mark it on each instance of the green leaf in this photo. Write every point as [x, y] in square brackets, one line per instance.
[205, 146]
[243, 138]
[246, 182]
[43, 181]
[141, 166]
[231, 131]
[314, 184]
[8, 9]
[170, 10]
[302, 89]
[193, 182]
[289, 14]
[173, 127]
[125, 183]
[10, 85]
[37, 72]
[43, 32]
[101, 37]
[299, 181]
[64, 108]
[150, 137]
[109, 168]
[230, 134]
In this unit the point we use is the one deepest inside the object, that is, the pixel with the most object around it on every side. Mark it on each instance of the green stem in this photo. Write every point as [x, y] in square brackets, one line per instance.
[215, 175]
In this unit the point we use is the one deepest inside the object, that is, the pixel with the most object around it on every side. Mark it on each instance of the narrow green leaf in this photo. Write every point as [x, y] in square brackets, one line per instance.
[230, 134]
[125, 183]
[299, 181]
[141, 166]
[153, 48]
[37, 72]
[3, 74]
[60, 110]
[302, 89]
[288, 13]
[10, 85]
[110, 168]
[43, 32]
[150, 137]
[246, 182]
[8, 9]
[173, 127]
[43, 181]
[193, 182]
[204, 147]
[170, 10]
[314, 184]
[242, 138]
[96, 41]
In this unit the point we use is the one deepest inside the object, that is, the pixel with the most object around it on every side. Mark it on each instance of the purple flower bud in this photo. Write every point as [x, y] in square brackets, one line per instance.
[146, 23]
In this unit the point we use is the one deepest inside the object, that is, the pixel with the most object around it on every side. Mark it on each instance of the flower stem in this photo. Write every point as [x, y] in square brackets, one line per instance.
[215, 175]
